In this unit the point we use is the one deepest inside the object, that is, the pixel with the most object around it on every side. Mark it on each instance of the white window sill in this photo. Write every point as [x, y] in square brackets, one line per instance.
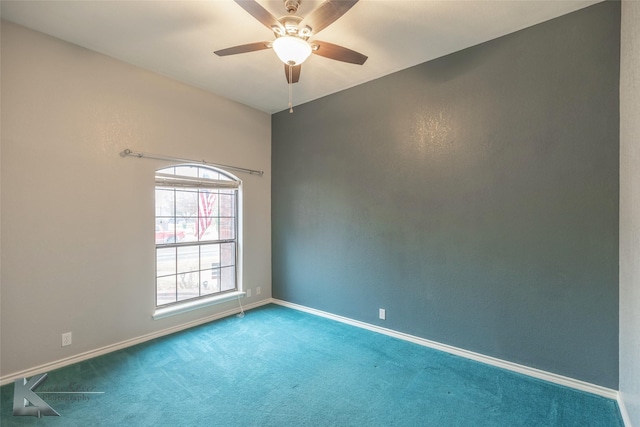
[161, 313]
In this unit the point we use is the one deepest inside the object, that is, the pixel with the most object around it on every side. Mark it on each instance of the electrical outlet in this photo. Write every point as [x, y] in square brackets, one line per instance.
[66, 339]
[249, 292]
[258, 290]
[382, 314]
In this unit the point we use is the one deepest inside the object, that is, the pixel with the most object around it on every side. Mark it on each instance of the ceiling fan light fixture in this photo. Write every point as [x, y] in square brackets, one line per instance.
[291, 50]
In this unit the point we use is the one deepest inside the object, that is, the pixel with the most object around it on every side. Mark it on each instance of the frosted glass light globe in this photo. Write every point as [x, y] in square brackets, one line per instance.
[291, 50]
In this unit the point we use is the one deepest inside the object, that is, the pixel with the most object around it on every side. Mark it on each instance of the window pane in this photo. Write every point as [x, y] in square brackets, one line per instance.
[215, 278]
[188, 285]
[228, 276]
[227, 254]
[187, 203]
[209, 256]
[216, 207]
[164, 203]
[169, 171]
[207, 211]
[180, 228]
[211, 227]
[227, 205]
[227, 228]
[165, 261]
[189, 228]
[210, 281]
[188, 259]
[210, 174]
[168, 232]
[165, 290]
[186, 170]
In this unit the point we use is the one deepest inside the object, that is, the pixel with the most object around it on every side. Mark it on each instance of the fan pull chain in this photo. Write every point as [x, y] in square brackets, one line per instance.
[290, 89]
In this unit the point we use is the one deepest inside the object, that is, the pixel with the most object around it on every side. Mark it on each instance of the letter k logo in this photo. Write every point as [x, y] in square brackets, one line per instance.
[26, 402]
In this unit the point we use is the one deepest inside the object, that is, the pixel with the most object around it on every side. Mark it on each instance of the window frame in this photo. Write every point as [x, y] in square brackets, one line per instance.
[168, 178]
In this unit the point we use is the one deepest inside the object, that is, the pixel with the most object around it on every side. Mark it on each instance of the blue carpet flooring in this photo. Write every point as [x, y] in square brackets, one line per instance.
[281, 367]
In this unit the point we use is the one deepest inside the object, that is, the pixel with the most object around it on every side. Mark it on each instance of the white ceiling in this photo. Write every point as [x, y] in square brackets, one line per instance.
[177, 38]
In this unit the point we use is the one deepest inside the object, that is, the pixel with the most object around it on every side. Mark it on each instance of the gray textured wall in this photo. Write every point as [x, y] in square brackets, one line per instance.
[475, 197]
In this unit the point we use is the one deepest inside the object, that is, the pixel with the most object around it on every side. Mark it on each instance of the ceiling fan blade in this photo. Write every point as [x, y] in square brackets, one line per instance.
[295, 73]
[251, 47]
[339, 53]
[260, 13]
[325, 14]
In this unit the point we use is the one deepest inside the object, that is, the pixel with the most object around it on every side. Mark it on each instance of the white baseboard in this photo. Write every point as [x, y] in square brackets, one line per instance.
[525, 370]
[521, 369]
[623, 410]
[27, 373]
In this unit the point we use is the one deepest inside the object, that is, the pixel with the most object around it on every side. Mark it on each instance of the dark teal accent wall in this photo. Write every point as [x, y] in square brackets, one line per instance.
[474, 197]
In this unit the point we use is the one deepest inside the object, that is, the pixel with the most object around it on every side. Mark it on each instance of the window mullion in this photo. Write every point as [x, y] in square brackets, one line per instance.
[175, 208]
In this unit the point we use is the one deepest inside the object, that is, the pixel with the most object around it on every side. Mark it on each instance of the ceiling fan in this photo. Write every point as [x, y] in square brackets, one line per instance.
[293, 33]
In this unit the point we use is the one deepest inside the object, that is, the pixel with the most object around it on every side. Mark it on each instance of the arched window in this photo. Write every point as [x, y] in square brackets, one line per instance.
[197, 218]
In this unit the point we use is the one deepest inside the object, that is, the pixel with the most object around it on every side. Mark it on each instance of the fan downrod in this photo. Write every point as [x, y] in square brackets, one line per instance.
[292, 5]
